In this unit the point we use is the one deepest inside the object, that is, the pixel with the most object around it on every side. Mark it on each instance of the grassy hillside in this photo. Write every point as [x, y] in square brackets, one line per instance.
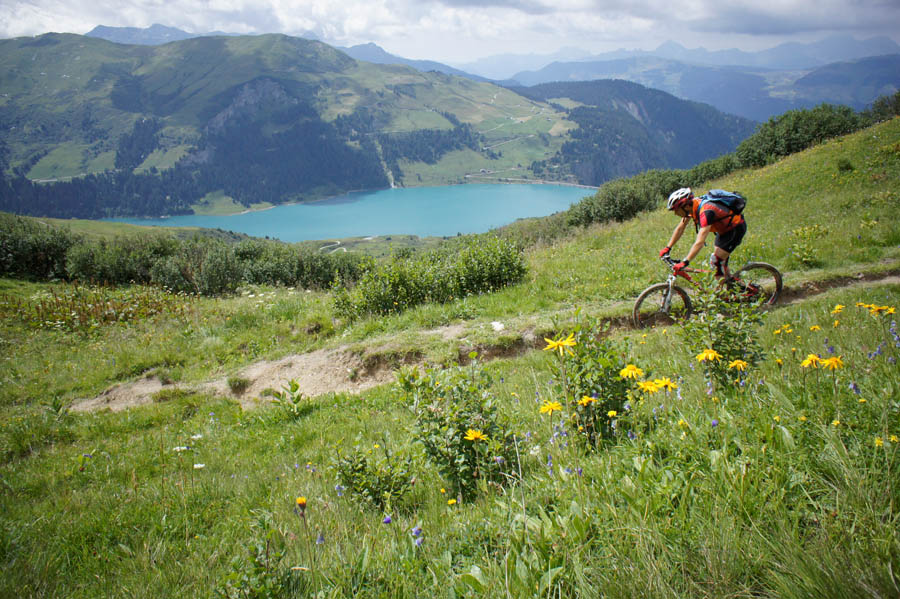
[777, 480]
[86, 90]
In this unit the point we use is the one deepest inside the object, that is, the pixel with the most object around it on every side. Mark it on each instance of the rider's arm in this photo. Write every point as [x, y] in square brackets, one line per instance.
[699, 243]
[676, 234]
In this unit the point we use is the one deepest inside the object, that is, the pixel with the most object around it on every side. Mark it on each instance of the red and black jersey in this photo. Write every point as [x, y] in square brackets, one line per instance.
[719, 218]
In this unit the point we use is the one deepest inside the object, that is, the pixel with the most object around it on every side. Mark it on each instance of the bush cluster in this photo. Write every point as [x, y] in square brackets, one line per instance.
[470, 266]
[30, 249]
[793, 131]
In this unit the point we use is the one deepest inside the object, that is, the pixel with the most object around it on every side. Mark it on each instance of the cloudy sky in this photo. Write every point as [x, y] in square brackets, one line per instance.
[458, 31]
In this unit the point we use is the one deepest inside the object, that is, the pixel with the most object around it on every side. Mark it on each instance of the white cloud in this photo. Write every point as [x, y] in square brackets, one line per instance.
[461, 30]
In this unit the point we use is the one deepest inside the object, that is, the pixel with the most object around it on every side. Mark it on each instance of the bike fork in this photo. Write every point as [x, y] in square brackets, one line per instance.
[667, 298]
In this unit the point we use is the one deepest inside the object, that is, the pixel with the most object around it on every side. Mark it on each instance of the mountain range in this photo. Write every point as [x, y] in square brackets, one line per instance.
[756, 85]
[116, 129]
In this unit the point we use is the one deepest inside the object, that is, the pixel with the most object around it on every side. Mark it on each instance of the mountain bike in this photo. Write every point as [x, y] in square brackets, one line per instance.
[665, 303]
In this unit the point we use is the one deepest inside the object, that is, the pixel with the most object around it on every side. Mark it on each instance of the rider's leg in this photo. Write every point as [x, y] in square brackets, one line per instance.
[718, 260]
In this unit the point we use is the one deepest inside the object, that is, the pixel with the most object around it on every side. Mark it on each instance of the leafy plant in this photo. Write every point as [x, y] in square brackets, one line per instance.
[238, 384]
[291, 400]
[586, 374]
[803, 250]
[723, 332]
[375, 475]
[458, 425]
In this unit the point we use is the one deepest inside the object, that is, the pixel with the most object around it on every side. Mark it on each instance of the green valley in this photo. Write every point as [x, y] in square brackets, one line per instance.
[98, 129]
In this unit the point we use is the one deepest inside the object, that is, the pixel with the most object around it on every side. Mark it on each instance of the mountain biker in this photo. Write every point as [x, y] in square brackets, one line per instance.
[728, 226]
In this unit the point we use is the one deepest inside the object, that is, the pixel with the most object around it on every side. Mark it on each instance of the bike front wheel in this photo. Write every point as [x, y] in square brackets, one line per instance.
[759, 280]
[656, 305]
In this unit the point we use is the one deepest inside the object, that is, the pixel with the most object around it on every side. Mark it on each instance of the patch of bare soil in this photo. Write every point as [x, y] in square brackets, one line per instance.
[122, 396]
[316, 372]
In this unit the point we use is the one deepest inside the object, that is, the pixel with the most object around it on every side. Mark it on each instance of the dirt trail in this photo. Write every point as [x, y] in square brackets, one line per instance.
[341, 370]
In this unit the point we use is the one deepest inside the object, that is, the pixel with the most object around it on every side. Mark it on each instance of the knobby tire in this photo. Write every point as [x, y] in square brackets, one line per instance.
[644, 314]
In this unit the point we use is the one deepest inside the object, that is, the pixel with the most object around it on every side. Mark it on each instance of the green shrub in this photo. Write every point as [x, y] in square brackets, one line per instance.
[586, 373]
[458, 425]
[175, 274]
[616, 200]
[803, 251]
[794, 131]
[294, 405]
[32, 249]
[374, 475]
[219, 272]
[238, 384]
[474, 265]
[728, 328]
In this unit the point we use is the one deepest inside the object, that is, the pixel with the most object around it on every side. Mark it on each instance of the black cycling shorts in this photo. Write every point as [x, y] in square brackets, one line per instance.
[730, 240]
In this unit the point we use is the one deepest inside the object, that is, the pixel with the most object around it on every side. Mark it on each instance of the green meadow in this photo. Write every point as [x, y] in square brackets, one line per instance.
[532, 444]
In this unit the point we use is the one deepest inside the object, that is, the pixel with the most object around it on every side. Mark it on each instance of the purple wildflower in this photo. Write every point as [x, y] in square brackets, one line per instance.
[387, 520]
[715, 423]
[320, 540]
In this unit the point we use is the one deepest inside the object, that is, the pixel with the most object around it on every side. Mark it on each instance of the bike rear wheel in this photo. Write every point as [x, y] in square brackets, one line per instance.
[650, 307]
[759, 280]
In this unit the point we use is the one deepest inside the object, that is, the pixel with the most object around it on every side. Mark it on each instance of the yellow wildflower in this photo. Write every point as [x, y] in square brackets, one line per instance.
[709, 355]
[548, 407]
[776, 418]
[879, 442]
[739, 364]
[562, 345]
[862, 400]
[586, 401]
[681, 422]
[301, 503]
[835, 422]
[803, 419]
[894, 439]
[833, 363]
[836, 323]
[648, 386]
[811, 360]
[611, 414]
[451, 502]
[779, 361]
[474, 435]
[666, 383]
[838, 308]
[631, 372]
[815, 327]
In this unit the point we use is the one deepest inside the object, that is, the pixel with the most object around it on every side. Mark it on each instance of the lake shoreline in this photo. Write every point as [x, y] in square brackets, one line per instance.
[347, 193]
[422, 211]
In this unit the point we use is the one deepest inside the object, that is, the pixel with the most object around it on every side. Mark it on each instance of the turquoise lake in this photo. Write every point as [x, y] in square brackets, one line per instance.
[423, 211]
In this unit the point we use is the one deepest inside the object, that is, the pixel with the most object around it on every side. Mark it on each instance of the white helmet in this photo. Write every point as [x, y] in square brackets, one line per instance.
[678, 196]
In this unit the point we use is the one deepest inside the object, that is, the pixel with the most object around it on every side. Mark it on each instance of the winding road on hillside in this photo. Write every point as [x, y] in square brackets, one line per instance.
[342, 370]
